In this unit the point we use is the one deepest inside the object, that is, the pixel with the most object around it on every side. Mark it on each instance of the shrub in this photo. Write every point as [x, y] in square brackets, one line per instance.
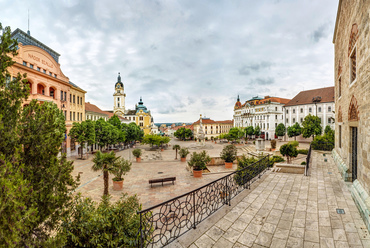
[289, 151]
[303, 151]
[324, 142]
[249, 169]
[303, 163]
[184, 152]
[199, 160]
[137, 152]
[229, 153]
[273, 144]
[277, 159]
[294, 143]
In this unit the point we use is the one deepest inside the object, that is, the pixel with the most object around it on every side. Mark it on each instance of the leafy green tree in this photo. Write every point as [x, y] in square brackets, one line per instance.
[133, 132]
[104, 162]
[294, 131]
[311, 126]
[164, 140]
[229, 153]
[103, 224]
[249, 130]
[101, 133]
[236, 133]
[114, 120]
[257, 131]
[280, 130]
[327, 129]
[176, 147]
[289, 150]
[151, 139]
[83, 133]
[183, 133]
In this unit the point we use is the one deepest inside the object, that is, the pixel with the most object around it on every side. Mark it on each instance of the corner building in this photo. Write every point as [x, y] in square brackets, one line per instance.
[47, 82]
[352, 109]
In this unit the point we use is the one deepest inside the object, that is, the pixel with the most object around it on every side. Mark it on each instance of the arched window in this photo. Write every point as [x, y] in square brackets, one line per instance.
[352, 53]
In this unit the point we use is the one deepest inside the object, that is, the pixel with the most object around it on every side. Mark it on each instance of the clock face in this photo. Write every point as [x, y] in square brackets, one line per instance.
[118, 86]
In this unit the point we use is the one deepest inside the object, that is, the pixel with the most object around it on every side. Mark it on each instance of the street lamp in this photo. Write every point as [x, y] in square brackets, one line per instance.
[315, 100]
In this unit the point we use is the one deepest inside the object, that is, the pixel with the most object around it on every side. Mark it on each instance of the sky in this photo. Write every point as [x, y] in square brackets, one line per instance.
[185, 58]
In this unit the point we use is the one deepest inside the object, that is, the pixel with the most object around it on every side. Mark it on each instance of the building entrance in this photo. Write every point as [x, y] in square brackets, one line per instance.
[354, 152]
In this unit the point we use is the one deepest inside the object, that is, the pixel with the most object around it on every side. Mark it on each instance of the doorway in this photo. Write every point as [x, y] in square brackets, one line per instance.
[354, 152]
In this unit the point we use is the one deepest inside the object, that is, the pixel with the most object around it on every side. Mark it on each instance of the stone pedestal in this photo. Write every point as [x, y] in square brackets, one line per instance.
[260, 145]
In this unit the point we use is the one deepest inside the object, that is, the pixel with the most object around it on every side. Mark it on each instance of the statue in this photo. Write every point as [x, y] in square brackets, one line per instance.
[200, 135]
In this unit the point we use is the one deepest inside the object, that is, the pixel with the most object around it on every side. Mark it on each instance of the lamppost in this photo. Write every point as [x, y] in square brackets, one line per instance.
[315, 100]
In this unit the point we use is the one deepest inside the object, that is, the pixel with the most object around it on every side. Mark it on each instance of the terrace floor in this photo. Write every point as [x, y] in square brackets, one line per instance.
[286, 210]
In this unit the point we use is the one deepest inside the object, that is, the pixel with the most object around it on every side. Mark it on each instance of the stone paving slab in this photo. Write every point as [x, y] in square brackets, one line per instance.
[288, 210]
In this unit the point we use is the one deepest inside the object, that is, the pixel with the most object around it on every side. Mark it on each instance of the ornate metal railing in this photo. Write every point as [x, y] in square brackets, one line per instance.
[165, 222]
[308, 158]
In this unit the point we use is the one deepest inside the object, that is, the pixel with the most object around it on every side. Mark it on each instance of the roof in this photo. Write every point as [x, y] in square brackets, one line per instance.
[337, 20]
[93, 108]
[27, 39]
[259, 100]
[209, 121]
[305, 97]
[74, 85]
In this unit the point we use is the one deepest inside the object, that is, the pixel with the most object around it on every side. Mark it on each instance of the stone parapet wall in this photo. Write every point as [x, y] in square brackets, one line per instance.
[362, 200]
[342, 167]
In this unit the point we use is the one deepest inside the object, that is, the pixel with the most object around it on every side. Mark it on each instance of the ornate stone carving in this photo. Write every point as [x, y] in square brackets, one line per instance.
[353, 113]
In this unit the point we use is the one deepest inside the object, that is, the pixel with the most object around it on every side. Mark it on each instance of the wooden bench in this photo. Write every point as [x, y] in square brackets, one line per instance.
[162, 180]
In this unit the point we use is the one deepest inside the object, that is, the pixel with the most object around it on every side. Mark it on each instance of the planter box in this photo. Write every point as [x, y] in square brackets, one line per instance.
[291, 168]
[117, 185]
[197, 173]
[228, 165]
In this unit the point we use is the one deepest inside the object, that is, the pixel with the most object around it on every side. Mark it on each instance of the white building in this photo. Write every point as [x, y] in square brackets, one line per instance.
[319, 102]
[265, 112]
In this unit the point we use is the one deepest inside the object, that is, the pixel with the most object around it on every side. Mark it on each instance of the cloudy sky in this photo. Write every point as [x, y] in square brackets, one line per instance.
[187, 57]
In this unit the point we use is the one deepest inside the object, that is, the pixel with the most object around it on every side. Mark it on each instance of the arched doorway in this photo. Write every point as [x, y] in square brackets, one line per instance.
[353, 117]
[29, 85]
[52, 92]
[40, 89]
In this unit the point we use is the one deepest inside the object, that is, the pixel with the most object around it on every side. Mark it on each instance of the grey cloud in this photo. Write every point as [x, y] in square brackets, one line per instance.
[320, 32]
[246, 69]
[282, 89]
[210, 102]
[263, 81]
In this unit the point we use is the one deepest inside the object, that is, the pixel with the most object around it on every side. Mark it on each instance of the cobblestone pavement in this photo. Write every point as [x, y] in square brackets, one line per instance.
[136, 181]
[287, 210]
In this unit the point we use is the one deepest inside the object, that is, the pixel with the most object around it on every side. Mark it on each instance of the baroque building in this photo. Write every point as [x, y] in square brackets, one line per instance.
[212, 128]
[352, 109]
[265, 112]
[318, 102]
[47, 82]
[140, 115]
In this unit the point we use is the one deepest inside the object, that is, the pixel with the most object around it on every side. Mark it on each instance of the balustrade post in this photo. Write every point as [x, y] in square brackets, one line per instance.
[194, 227]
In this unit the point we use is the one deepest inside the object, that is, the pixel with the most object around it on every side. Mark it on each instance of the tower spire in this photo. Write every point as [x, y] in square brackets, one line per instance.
[119, 77]
[238, 99]
[28, 31]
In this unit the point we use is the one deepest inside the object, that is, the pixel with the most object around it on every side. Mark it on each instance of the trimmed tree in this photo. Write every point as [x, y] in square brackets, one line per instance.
[289, 150]
[257, 131]
[249, 131]
[294, 131]
[280, 130]
[83, 133]
[311, 126]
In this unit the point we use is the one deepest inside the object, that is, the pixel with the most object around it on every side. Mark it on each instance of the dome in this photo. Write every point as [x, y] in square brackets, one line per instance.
[119, 84]
[238, 104]
[141, 106]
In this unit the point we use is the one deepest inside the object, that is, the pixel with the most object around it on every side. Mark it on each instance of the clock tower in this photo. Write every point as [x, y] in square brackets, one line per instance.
[119, 98]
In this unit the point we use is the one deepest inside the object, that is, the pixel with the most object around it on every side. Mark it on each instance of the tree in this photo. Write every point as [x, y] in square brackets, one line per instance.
[114, 120]
[327, 129]
[83, 133]
[257, 131]
[183, 133]
[236, 133]
[280, 130]
[289, 150]
[311, 126]
[132, 131]
[294, 130]
[249, 130]
[102, 133]
[104, 162]
[151, 139]
[229, 153]
[176, 147]
[103, 224]
[164, 140]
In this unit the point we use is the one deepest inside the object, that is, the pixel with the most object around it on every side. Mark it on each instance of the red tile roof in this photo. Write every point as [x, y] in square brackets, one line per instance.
[209, 121]
[93, 108]
[305, 97]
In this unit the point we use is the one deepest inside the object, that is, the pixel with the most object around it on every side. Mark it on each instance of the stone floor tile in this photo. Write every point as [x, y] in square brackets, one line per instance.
[341, 244]
[223, 243]
[326, 242]
[215, 233]
[324, 213]
[294, 242]
[325, 232]
[365, 242]
[312, 236]
[253, 228]
[350, 227]
[353, 239]
[297, 232]
[247, 239]
[193, 246]
[336, 224]
[224, 224]
[285, 224]
[238, 245]
[276, 212]
[311, 216]
[268, 227]
[299, 222]
[312, 225]
[281, 233]
[273, 219]
[339, 234]
[204, 241]
[308, 244]
[324, 221]
[232, 235]
[287, 216]
[264, 239]
[278, 243]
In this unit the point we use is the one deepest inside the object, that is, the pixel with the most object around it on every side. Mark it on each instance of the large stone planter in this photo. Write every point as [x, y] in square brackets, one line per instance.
[183, 159]
[197, 173]
[138, 160]
[117, 185]
[228, 165]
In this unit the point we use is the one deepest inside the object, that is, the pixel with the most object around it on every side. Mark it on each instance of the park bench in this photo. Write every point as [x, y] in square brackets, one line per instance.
[162, 180]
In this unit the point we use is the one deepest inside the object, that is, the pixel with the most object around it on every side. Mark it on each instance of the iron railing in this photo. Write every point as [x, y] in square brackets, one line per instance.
[308, 158]
[165, 222]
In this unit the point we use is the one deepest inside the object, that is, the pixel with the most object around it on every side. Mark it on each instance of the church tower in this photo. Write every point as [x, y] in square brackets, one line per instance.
[119, 98]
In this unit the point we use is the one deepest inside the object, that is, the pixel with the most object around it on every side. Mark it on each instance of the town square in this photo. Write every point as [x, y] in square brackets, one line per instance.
[186, 124]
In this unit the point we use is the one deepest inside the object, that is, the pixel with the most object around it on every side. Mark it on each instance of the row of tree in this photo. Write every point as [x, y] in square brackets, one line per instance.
[183, 133]
[105, 133]
[154, 139]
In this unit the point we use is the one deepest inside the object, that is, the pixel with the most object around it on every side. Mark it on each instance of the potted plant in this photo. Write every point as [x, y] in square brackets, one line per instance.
[273, 145]
[229, 155]
[198, 162]
[183, 153]
[120, 168]
[137, 153]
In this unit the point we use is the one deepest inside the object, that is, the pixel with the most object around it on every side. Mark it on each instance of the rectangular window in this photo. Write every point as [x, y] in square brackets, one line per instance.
[70, 97]
[275, 125]
[74, 116]
[133, 118]
[61, 95]
[329, 120]
[74, 99]
[65, 114]
[340, 136]
[24, 63]
[293, 120]
[319, 109]
[70, 116]
[275, 117]
[310, 110]
[287, 120]
[78, 100]
[65, 96]
[38, 68]
[340, 87]
[301, 110]
[51, 74]
[78, 116]
[301, 120]
[329, 109]
[353, 66]
[31, 66]
[44, 71]
[118, 99]
[141, 125]
[287, 111]
[55, 75]
[293, 111]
